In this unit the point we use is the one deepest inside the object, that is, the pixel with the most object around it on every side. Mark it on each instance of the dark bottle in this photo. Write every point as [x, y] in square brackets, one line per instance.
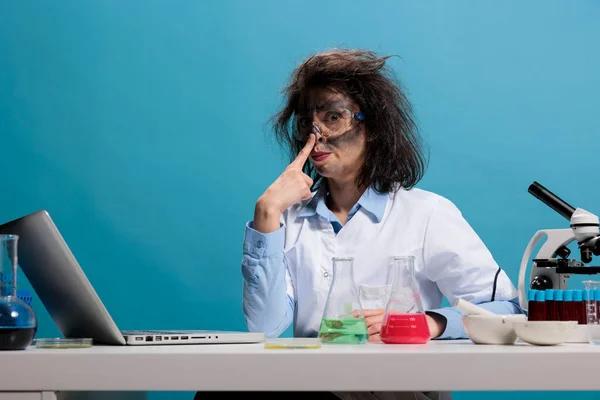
[540, 306]
[559, 296]
[551, 311]
[531, 305]
[579, 306]
[569, 307]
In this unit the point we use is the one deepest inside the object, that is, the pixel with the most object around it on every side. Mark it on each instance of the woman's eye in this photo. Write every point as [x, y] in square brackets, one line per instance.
[333, 116]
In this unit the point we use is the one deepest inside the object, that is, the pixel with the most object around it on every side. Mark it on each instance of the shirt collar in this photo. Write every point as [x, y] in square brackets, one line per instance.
[373, 202]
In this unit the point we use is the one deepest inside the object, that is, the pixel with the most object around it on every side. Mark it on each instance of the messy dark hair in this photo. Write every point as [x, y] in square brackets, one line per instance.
[394, 153]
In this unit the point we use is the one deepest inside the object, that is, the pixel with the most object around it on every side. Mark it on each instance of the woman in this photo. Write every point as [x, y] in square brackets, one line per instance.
[350, 191]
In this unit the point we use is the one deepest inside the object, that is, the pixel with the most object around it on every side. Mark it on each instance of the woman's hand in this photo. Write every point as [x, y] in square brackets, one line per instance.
[374, 319]
[291, 186]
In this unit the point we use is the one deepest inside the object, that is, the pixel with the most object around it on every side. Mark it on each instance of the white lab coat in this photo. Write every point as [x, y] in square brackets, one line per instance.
[451, 260]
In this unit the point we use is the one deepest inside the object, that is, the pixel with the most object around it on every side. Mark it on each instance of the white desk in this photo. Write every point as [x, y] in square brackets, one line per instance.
[440, 365]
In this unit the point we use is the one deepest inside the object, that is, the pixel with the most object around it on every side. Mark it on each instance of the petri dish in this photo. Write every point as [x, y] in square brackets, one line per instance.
[60, 343]
[293, 343]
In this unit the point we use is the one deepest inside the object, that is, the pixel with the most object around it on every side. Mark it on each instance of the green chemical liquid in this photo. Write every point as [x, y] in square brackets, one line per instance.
[343, 331]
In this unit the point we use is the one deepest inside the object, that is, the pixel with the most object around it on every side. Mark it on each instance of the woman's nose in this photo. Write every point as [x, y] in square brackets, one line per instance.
[317, 131]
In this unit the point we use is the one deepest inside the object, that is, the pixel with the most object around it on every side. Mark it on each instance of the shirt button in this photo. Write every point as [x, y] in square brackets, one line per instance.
[326, 274]
[259, 244]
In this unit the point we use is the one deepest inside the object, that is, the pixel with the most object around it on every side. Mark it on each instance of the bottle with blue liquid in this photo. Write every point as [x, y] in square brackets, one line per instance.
[18, 323]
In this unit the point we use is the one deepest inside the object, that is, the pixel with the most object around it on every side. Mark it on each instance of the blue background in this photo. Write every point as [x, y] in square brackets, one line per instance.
[141, 127]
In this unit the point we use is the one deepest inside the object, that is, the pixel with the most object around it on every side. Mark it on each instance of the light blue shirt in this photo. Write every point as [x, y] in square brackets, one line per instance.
[264, 252]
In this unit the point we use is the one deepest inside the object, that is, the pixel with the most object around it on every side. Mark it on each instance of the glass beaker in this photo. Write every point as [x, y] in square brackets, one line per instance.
[343, 319]
[593, 311]
[404, 321]
[18, 323]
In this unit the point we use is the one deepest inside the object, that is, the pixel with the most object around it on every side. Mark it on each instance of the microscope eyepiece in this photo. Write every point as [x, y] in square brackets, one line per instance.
[551, 200]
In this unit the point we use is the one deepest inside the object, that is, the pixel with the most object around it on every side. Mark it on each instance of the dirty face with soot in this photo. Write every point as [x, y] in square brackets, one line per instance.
[336, 121]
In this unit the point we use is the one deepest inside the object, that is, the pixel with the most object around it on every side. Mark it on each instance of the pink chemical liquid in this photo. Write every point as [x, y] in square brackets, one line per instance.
[405, 329]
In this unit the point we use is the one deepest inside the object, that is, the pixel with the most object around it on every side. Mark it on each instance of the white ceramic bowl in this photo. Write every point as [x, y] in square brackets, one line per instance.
[492, 329]
[545, 333]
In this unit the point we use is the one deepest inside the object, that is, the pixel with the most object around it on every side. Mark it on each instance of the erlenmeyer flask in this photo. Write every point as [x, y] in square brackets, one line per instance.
[18, 323]
[343, 320]
[404, 321]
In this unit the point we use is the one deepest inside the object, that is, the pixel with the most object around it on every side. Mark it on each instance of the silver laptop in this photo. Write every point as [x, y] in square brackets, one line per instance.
[72, 302]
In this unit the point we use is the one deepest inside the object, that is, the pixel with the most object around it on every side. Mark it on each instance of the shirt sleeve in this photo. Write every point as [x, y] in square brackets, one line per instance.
[268, 293]
[457, 260]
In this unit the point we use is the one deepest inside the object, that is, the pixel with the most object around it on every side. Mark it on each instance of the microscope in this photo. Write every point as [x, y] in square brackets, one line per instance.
[552, 266]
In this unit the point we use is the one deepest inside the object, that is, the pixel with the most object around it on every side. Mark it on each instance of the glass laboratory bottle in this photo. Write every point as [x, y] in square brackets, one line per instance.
[343, 319]
[18, 323]
[404, 321]
[593, 311]
[586, 301]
